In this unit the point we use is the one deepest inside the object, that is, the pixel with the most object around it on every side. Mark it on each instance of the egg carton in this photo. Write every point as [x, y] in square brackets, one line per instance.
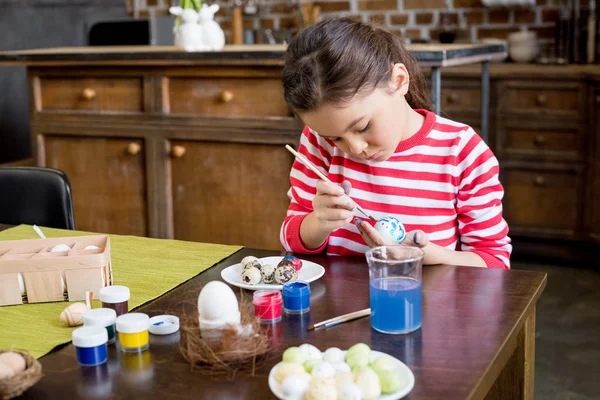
[30, 272]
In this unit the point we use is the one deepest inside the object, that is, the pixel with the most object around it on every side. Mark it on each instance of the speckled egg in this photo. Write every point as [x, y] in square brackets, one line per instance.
[248, 259]
[251, 276]
[268, 273]
[296, 262]
[285, 274]
[256, 264]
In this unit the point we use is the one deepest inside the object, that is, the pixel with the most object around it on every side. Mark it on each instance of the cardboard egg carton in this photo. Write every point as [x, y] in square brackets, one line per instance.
[45, 274]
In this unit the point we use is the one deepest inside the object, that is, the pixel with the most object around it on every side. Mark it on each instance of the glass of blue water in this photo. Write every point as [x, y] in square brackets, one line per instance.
[395, 278]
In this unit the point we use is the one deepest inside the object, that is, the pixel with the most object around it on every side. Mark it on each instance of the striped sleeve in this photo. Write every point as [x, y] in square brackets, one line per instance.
[481, 226]
[303, 189]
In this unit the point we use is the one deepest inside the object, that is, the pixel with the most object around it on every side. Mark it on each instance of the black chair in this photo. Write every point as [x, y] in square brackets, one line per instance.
[34, 195]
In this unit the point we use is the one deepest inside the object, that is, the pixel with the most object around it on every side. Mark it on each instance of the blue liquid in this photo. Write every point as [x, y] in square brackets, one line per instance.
[396, 305]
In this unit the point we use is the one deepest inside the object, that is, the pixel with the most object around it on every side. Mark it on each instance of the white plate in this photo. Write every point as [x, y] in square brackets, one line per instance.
[400, 393]
[309, 272]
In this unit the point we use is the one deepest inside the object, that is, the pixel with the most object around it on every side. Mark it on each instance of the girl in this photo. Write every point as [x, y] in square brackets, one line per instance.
[361, 96]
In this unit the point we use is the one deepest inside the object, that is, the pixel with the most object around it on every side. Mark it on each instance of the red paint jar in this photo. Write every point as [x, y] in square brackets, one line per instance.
[268, 305]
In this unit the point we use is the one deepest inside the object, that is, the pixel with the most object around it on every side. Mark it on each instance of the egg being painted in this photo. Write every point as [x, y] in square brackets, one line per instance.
[391, 229]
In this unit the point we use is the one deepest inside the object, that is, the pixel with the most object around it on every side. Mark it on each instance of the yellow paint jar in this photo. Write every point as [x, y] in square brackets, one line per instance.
[133, 332]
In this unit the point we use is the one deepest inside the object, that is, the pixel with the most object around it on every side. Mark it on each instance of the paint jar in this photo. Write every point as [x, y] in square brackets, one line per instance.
[267, 306]
[296, 298]
[104, 317]
[133, 332]
[115, 297]
[90, 345]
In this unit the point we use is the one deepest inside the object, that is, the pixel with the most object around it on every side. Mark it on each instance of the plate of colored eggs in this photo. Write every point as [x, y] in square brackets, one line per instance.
[271, 272]
[355, 374]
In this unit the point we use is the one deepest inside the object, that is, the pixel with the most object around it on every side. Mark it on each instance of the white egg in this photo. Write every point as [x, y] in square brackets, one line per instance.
[391, 229]
[217, 303]
[6, 371]
[333, 355]
[59, 248]
[294, 386]
[91, 247]
[14, 360]
[368, 382]
[323, 370]
[312, 353]
[341, 367]
[349, 390]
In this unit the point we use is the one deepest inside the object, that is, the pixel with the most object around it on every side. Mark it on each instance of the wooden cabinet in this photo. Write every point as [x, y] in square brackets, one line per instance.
[542, 200]
[108, 180]
[229, 192]
[189, 152]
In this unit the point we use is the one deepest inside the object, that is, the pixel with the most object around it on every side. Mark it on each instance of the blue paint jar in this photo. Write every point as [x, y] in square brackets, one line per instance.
[296, 298]
[90, 345]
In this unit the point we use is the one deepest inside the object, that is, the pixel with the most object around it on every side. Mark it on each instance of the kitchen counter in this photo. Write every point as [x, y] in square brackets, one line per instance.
[427, 54]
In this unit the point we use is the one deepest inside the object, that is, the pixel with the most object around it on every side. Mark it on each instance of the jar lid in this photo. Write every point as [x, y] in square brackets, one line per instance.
[133, 323]
[296, 289]
[164, 324]
[267, 296]
[100, 317]
[89, 336]
[114, 294]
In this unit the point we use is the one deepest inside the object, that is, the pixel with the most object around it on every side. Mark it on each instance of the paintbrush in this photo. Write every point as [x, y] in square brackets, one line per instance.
[340, 320]
[314, 169]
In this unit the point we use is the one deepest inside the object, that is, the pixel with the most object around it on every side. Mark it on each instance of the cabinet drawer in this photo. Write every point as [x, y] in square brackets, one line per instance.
[541, 201]
[559, 142]
[541, 97]
[227, 96]
[461, 99]
[91, 94]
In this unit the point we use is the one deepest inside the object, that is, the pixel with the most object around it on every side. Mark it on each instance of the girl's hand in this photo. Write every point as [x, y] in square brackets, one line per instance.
[332, 207]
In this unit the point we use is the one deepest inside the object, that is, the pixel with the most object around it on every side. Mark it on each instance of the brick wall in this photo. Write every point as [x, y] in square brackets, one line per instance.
[415, 19]
[419, 19]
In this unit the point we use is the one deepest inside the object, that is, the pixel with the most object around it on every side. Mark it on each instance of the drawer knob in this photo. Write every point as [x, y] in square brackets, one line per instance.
[539, 181]
[133, 148]
[541, 100]
[177, 151]
[88, 93]
[539, 140]
[453, 98]
[227, 96]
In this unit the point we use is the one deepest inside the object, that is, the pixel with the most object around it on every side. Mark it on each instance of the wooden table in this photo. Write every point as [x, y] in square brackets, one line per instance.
[477, 339]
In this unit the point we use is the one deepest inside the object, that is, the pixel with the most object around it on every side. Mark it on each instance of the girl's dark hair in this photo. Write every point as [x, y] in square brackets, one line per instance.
[332, 61]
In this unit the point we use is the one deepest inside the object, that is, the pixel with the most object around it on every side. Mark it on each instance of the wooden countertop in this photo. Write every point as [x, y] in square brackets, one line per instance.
[426, 54]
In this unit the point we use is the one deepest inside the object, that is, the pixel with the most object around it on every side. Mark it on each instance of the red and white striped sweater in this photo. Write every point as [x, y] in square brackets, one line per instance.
[442, 180]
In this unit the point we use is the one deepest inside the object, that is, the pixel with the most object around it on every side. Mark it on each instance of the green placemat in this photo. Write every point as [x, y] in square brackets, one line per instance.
[149, 267]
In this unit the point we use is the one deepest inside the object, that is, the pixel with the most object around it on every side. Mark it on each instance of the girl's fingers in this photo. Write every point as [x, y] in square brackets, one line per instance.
[329, 188]
[370, 235]
[347, 186]
[344, 202]
[416, 238]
